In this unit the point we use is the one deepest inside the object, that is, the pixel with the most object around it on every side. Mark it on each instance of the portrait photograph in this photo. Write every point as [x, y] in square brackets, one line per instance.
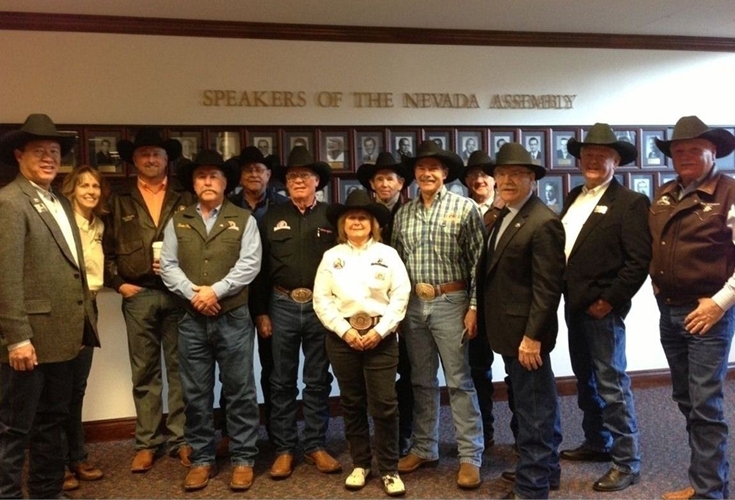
[294, 139]
[535, 144]
[226, 143]
[346, 186]
[335, 150]
[324, 194]
[468, 141]
[102, 151]
[457, 187]
[190, 143]
[69, 161]
[562, 157]
[266, 143]
[368, 144]
[551, 192]
[626, 135]
[650, 154]
[497, 139]
[642, 183]
[441, 138]
[404, 144]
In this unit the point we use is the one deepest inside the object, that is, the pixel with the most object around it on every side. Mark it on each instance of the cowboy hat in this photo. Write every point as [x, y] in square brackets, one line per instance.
[148, 136]
[358, 199]
[301, 157]
[209, 158]
[385, 161]
[512, 153]
[36, 127]
[251, 154]
[430, 149]
[478, 159]
[602, 135]
[691, 127]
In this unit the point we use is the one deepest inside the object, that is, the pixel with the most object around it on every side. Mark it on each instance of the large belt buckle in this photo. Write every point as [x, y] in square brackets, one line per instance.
[301, 295]
[361, 321]
[425, 291]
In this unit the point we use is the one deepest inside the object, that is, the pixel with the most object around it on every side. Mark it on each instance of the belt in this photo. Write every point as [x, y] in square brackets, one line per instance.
[300, 295]
[426, 291]
[363, 321]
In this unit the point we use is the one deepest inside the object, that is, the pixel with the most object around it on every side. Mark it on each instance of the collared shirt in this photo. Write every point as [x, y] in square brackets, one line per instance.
[579, 212]
[370, 279]
[485, 205]
[442, 243]
[391, 203]
[94, 256]
[241, 274]
[54, 207]
[270, 197]
[512, 212]
[153, 197]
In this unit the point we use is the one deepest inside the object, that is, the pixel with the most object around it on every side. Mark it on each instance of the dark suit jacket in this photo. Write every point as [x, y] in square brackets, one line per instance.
[44, 296]
[519, 287]
[610, 257]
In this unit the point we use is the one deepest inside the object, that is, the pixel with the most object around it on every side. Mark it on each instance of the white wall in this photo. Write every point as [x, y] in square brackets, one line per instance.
[128, 79]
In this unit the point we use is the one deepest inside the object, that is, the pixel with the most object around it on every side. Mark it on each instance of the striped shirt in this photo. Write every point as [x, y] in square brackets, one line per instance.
[442, 243]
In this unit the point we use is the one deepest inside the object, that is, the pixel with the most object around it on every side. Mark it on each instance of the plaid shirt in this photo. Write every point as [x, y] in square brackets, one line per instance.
[442, 243]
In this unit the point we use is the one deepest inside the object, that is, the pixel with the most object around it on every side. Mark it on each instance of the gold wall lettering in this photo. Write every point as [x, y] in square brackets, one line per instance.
[530, 101]
[426, 100]
[254, 98]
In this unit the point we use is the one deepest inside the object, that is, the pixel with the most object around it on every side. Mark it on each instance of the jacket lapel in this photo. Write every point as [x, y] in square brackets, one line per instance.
[598, 214]
[514, 226]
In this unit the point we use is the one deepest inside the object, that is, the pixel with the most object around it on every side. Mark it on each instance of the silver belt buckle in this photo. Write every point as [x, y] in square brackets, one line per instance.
[301, 295]
[361, 321]
[425, 291]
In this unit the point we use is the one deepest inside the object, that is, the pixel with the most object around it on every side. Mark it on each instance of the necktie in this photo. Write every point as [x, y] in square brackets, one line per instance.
[496, 228]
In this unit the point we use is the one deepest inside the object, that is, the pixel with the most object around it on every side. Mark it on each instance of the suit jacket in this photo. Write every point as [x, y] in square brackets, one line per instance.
[44, 296]
[611, 255]
[386, 233]
[520, 284]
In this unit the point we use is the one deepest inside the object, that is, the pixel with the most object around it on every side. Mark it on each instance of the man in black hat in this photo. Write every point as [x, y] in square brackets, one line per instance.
[608, 249]
[439, 237]
[519, 285]
[138, 213]
[693, 274]
[211, 253]
[46, 313]
[295, 235]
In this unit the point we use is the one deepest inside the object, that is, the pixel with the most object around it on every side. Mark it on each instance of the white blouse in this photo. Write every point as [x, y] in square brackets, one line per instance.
[94, 257]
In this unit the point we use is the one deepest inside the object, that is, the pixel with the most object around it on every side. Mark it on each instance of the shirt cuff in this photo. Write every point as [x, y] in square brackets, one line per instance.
[17, 345]
[725, 298]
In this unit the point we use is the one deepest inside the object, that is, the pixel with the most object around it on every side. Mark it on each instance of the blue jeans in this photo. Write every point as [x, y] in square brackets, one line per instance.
[597, 352]
[433, 331]
[295, 327]
[698, 366]
[229, 341]
[539, 427]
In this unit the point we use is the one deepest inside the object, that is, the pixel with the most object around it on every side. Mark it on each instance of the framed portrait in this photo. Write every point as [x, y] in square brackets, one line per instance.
[102, 150]
[575, 180]
[642, 183]
[346, 186]
[650, 154]
[335, 150]
[403, 143]
[535, 143]
[412, 190]
[457, 187]
[562, 157]
[551, 192]
[70, 159]
[441, 137]
[293, 139]
[498, 138]
[191, 143]
[727, 161]
[468, 141]
[225, 142]
[266, 142]
[324, 194]
[368, 145]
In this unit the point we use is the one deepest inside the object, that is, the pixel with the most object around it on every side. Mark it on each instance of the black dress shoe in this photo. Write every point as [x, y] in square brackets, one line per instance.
[583, 454]
[615, 480]
[509, 476]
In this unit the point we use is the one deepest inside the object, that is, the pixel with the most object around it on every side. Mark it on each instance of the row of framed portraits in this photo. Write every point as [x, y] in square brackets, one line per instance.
[345, 149]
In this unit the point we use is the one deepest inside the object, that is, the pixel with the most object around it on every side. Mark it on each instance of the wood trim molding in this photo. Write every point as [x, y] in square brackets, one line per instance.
[124, 428]
[27, 21]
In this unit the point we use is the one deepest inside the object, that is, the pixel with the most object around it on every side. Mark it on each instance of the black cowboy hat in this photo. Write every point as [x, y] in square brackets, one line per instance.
[37, 127]
[477, 159]
[430, 149]
[251, 154]
[210, 158]
[301, 157]
[148, 136]
[385, 161]
[512, 153]
[691, 127]
[601, 134]
[358, 199]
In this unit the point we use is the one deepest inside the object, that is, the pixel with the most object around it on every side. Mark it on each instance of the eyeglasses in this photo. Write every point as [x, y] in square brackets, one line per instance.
[292, 176]
[254, 169]
[476, 174]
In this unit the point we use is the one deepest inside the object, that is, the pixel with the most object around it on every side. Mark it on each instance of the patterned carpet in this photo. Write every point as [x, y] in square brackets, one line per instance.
[663, 442]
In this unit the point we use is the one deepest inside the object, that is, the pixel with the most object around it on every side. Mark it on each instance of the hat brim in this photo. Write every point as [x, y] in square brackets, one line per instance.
[450, 160]
[539, 172]
[186, 168]
[466, 170]
[367, 171]
[723, 140]
[126, 148]
[17, 139]
[380, 212]
[320, 168]
[627, 151]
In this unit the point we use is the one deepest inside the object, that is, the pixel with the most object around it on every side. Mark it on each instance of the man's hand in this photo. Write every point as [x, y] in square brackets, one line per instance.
[205, 300]
[127, 290]
[353, 339]
[470, 323]
[529, 354]
[156, 267]
[700, 320]
[599, 309]
[23, 358]
[371, 340]
[264, 326]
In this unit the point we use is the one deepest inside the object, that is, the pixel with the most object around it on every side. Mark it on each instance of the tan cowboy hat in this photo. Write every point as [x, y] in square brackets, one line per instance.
[430, 149]
[601, 134]
[358, 199]
[512, 153]
[691, 127]
[477, 159]
[385, 161]
[209, 158]
[301, 157]
[36, 127]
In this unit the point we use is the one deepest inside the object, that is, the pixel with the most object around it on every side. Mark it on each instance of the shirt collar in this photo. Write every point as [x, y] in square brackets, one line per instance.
[144, 185]
[597, 189]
